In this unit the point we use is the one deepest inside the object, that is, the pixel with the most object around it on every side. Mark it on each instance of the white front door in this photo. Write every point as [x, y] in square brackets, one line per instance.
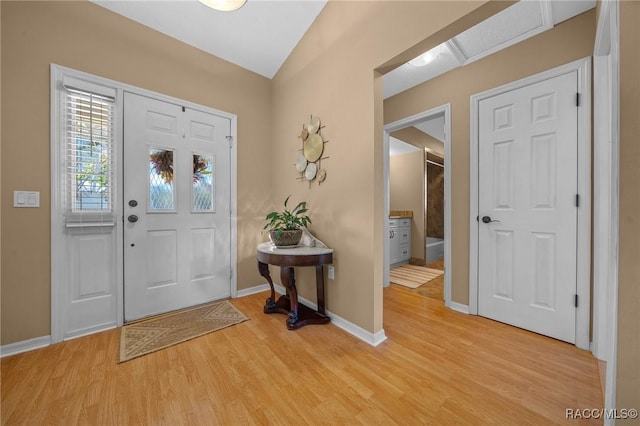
[528, 156]
[176, 207]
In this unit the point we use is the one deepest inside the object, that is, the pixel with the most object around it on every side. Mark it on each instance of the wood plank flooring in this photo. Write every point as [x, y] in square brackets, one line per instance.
[412, 276]
[438, 367]
[435, 287]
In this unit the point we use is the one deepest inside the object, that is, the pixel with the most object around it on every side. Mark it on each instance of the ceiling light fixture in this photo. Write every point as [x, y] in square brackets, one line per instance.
[426, 57]
[224, 5]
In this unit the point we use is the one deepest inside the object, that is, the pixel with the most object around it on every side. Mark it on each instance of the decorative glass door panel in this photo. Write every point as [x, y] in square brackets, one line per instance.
[203, 185]
[176, 160]
[161, 189]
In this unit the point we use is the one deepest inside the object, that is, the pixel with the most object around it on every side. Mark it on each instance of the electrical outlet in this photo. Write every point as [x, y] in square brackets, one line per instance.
[331, 272]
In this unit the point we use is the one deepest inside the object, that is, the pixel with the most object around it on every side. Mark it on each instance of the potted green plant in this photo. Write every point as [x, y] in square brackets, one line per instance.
[285, 227]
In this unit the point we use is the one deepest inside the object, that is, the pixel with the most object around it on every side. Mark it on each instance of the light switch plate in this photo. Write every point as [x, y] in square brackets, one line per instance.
[331, 272]
[26, 199]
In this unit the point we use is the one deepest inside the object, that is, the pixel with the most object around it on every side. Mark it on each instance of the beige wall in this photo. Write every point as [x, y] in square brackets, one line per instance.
[86, 37]
[331, 74]
[569, 41]
[89, 38]
[628, 361]
[418, 138]
[406, 192]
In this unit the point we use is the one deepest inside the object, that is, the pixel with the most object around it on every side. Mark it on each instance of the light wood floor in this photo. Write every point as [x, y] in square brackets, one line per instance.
[437, 367]
[434, 288]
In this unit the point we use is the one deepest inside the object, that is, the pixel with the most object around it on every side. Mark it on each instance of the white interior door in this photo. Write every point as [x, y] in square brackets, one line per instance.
[528, 148]
[176, 207]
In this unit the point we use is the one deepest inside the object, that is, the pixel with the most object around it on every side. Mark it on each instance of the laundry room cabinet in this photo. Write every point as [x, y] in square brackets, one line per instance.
[399, 240]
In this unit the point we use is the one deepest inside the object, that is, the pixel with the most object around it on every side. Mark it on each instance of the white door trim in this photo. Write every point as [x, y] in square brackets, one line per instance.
[583, 67]
[57, 256]
[401, 124]
[605, 165]
[605, 204]
[602, 201]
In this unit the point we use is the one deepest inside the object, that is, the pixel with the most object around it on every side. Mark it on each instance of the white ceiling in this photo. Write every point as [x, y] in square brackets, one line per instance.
[398, 147]
[259, 36]
[514, 24]
[433, 126]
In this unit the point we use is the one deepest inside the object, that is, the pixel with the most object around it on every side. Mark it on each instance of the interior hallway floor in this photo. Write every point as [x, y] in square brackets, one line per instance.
[433, 289]
[437, 367]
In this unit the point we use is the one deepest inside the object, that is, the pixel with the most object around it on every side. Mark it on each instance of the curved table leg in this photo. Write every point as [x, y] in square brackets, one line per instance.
[320, 288]
[287, 276]
[298, 315]
[270, 303]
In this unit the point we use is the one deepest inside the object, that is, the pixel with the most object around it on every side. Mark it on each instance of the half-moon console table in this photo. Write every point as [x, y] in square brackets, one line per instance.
[287, 259]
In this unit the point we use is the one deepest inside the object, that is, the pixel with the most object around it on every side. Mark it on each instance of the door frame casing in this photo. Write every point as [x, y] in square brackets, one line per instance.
[605, 192]
[57, 169]
[583, 247]
[401, 124]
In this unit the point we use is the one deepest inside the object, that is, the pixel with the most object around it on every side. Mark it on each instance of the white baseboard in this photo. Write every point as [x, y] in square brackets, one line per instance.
[24, 346]
[459, 307]
[374, 339]
[252, 290]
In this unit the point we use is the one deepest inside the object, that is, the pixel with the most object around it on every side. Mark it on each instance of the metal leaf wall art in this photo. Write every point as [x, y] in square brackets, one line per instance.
[309, 162]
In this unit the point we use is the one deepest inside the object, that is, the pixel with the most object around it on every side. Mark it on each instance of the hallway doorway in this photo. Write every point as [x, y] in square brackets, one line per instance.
[420, 251]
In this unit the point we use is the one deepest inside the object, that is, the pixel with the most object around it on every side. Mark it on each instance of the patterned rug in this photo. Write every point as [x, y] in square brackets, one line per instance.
[413, 276]
[157, 333]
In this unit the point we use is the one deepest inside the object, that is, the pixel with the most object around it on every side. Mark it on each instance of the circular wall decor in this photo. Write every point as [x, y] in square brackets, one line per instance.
[310, 172]
[304, 134]
[313, 148]
[314, 125]
[322, 175]
[308, 162]
[301, 163]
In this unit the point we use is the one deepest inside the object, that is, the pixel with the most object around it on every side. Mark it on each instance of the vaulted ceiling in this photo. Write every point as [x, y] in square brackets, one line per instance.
[261, 35]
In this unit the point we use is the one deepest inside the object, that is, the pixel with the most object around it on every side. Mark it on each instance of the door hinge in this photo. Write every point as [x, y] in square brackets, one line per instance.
[230, 273]
[184, 109]
[577, 200]
[230, 139]
[576, 301]
[577, 99]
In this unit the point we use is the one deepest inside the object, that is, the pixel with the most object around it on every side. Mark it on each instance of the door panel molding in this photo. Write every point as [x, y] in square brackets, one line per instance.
[160, 255]
[583, 69]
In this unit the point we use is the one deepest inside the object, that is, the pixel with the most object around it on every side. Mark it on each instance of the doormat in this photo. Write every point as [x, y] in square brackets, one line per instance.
[150, 335]
[413, 276]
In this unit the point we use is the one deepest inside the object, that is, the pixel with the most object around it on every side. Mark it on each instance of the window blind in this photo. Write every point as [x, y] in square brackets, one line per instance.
[89, 140]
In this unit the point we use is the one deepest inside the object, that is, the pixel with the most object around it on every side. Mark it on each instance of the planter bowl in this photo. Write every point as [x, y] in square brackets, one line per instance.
[287, 238]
